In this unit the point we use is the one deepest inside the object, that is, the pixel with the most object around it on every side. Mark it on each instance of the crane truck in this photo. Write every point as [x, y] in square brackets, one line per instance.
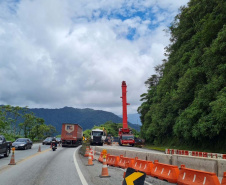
[125, 133]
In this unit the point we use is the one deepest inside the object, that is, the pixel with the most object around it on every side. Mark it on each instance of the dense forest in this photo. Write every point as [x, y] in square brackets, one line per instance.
[185, 104]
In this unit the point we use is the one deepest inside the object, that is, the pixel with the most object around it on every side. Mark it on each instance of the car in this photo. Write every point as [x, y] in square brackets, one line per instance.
[22, 143]
[47, 141]
[58, 139]
[5, 146]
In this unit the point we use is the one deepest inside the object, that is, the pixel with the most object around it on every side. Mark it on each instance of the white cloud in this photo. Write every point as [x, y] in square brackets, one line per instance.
[76, 53]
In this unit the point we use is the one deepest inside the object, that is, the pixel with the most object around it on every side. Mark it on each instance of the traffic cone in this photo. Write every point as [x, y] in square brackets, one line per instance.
[92, 153]
[39, 148]
[12, 160]
[104, 169]
[126, 166]
[87, 152]
[90, 161]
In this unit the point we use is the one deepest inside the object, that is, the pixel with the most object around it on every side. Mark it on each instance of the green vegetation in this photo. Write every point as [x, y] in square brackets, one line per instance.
[87, 118]
[18, 122]
[111, 128]
[185, 104]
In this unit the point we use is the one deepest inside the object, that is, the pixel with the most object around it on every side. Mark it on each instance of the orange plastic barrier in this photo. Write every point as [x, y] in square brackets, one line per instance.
[195, 177]
[100, 159]
[123, 160]
[112, 160]
[186, 152]
[166, 172]
[142, 165]
[224, 156]
[224, 179]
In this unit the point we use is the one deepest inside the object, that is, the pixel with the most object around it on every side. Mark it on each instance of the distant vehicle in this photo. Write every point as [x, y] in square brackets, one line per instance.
[5, 146]
[138, 141]
[58, 139]
[22, 143]
[98, 137]
[71, 134]
[47, 141]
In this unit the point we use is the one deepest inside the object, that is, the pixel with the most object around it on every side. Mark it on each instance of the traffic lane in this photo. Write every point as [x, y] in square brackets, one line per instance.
[131, 149]
[92, 174]
[45, 168]
[22, 154]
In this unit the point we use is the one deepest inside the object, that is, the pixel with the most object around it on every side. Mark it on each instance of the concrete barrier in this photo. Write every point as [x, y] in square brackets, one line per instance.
[133, 154]
[196, 163]
[118, 152]
[217, 166]
[162, 158]
[221, 164]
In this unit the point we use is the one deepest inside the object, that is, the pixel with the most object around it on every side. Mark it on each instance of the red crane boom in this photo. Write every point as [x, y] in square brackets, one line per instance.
[125, 133]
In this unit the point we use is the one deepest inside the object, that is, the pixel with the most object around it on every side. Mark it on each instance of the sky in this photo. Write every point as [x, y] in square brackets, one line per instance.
[76, 53]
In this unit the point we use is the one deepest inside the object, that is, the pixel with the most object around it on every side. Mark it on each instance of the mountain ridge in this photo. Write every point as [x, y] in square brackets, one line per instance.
[86, 117]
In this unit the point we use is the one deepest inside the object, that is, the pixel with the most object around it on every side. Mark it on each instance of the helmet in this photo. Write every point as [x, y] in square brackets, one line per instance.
[54, 139]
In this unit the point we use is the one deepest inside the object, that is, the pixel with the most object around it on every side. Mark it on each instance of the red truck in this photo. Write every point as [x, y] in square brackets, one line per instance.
[71, 134]
[125, 133]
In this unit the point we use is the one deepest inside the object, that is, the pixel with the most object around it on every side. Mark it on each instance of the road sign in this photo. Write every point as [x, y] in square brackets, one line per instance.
[133, 177]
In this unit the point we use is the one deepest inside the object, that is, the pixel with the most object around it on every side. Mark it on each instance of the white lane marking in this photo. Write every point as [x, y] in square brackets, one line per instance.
[83, 180]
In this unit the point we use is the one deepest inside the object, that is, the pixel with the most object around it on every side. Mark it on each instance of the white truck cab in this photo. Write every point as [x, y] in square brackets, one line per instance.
[98, 137]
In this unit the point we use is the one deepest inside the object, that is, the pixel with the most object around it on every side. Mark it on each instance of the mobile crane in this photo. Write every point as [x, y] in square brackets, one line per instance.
[125, 133]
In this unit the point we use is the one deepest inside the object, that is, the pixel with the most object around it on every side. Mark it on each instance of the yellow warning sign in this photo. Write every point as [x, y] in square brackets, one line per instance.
[133, 177]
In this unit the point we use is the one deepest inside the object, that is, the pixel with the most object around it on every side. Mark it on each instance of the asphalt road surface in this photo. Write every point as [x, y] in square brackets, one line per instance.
[65, 166]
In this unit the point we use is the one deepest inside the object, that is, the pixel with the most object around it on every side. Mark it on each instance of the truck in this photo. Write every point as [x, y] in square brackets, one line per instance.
[97, 137]
[5, 146]
[71, 134]
[125, 134]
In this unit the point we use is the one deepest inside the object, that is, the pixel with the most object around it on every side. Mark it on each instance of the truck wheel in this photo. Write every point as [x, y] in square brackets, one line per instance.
[6, 153]
[132, 144]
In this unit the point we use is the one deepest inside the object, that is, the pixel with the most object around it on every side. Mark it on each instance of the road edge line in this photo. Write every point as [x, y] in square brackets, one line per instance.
[82, 178]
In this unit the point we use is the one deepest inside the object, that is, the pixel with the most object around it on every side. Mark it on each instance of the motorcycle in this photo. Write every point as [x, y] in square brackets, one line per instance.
[54, 146]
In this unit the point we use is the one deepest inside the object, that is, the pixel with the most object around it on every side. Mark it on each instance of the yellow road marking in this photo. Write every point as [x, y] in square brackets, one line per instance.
[22, 160]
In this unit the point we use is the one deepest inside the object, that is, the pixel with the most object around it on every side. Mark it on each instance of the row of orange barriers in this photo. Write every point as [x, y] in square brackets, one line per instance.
[170, 173]
[194, 153]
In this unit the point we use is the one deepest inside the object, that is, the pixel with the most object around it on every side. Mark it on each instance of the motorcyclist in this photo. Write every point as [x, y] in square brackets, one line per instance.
[54, 142]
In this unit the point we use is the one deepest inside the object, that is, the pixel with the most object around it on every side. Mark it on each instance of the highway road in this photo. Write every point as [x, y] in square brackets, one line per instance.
[61, 167]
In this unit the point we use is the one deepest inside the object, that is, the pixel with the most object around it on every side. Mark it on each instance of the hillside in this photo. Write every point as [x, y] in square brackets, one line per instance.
[186, 99]
[133, 118]
[87, 118]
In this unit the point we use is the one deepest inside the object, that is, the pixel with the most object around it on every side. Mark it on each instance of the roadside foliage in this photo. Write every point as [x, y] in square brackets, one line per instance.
[18, 122]
[186, 98]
